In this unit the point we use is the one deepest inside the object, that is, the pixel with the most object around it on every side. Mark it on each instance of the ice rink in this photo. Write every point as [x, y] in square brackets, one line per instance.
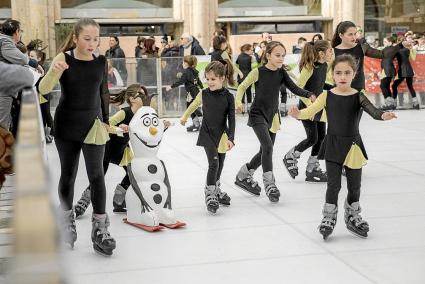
[254, 241]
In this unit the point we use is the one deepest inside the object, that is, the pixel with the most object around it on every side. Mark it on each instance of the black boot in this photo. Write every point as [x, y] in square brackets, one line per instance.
[354, 221]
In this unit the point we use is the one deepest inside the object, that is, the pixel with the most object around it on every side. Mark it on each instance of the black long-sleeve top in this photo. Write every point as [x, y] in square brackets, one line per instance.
[190, 79]
[404, 67]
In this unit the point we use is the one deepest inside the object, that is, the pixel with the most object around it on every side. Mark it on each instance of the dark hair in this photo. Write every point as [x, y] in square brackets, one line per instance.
[9, 27]
[246, 47]
[341, 28]
[140, 39]
[269, 49]
[219, 33]
[40, 54]
[191, 60]
[301, 39]
[132, 91]
[222, 68]
[345, 58]
[319, 36]
[218, 41]
[116, 38]
[149, 46]
[310, 53]
[78, 27]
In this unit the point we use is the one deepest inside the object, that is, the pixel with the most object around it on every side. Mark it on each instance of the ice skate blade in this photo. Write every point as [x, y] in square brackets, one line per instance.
[98, 250]
[237, 182]
[357, 234]
[227, 204]
[144, 227]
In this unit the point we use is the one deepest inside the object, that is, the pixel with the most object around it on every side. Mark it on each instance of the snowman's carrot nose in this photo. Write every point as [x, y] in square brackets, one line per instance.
[153, 131]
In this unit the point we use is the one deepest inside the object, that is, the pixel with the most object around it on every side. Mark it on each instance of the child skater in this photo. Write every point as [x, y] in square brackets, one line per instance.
[313, 66]
[83, 106]
[216, 135]
[192, 84]
[388, 72]
[117, 150]
[343, 146]
[264, 117]
[245, 61]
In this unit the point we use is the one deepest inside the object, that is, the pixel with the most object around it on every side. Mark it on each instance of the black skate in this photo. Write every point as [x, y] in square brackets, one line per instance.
[223, 197]
[415, 106]
[354, 221]
[82, 204]
[69, 230]
[316, 176]
[119, 200]
[245, 180]
[211, 199]
[328, 223]
[270, 187]
[290, 161]
[192, 128]
[103, 243]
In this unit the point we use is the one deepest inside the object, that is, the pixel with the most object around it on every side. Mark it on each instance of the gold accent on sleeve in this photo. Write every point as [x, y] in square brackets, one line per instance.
[117, 118]
[192, 107]
[314, 108]
[52, 77]
[250, 79]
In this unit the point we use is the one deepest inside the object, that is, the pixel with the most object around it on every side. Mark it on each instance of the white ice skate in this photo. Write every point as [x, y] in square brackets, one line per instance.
[149, 199]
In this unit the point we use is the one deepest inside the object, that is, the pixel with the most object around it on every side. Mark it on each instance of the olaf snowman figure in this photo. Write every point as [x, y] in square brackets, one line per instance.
[149, 198]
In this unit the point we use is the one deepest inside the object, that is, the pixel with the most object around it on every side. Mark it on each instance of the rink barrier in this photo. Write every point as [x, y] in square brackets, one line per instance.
[35, 254]
[157, 73]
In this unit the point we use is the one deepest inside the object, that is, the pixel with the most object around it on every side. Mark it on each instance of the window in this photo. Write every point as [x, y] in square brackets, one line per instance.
[5, 11]
[263, 8]
[131, 30]
[124, 9]
[290, 27]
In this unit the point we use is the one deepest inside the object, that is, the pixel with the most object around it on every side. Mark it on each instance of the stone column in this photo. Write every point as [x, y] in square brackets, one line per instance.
[37, 19]
[343, 10]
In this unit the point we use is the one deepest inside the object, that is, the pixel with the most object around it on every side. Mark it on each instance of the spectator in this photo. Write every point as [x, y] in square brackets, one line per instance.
[421, 44]
[138, 51]
[190, 46]
[13, 79]
[114, 77]
[258, 54]
[264, 37]
[171, 50]
[151, 50]
[10, 35]
[117, 55]
[299, 47]
[316, 37]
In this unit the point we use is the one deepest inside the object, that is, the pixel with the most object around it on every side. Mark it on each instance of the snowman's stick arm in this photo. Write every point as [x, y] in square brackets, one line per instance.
[167, 203]
[135, 186]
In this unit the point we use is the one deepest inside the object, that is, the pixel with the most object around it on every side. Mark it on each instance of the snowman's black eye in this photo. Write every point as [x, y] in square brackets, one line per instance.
[155, 121]
[146, 121]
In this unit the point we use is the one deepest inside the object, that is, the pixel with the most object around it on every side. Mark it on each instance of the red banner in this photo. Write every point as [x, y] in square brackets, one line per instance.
[372, 69]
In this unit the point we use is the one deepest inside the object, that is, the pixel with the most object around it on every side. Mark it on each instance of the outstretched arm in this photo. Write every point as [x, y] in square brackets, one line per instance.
[197, 102]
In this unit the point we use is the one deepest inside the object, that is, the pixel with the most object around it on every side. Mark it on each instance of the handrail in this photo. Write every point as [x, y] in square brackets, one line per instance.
[35, 251]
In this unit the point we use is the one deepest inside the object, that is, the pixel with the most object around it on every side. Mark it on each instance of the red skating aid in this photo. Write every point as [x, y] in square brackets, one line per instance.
[144, 227]
[177, 225]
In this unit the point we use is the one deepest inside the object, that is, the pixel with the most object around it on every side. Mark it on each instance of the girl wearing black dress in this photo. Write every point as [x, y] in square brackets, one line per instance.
[217, 132]
[343, 146]
[79, 127]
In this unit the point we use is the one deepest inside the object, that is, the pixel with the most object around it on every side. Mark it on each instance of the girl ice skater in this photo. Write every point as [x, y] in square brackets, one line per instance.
[264, 117]
[343, 146]
[83, 106]
[117, 150]
[192, 84]
[217, 132]
[388, 72]
[313, 66]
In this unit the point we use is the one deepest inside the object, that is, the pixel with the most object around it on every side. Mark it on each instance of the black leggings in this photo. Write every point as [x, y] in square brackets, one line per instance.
[385, 86]
[354, 178]
[265, 156]
[69, 156]
[215, 164]
[316, 132]
[409, 81]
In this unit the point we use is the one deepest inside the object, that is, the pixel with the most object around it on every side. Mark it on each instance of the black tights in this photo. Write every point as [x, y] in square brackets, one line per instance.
[125, 182]
[215, 164]
[316, 132]
[409, 81]
[69, 155]
[385, 86]
[354, 178]
[265, 156]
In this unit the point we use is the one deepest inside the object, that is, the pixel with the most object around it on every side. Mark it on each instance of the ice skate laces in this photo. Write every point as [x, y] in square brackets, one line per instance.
[102, 229]
[271, 189]
[250, 179]
[328, 221]
[84, 201]
[293, 161]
